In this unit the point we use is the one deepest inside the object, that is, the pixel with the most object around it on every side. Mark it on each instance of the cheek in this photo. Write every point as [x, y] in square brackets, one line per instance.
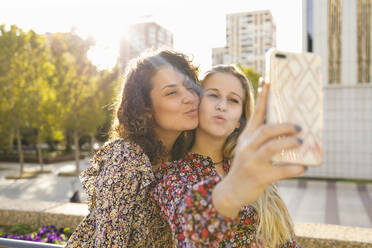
[235, 117]
[164, 111]
[205, 108]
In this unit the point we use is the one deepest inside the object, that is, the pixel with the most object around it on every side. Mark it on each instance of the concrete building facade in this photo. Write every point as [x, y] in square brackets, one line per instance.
[218, 55]
[142, 36]
[248, 36]
[339, 31]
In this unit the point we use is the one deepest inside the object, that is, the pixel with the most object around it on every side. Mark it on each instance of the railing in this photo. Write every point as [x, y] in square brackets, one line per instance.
[26, 244]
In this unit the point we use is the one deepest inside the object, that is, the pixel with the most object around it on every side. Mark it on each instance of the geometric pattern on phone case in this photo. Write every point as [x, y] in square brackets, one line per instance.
[296, 96]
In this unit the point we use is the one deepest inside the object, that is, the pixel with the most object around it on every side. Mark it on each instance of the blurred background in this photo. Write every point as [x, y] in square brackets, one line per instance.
[62, 62]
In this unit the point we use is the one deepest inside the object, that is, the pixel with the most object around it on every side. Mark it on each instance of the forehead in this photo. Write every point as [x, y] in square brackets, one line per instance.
[166, 75]
[224, 82]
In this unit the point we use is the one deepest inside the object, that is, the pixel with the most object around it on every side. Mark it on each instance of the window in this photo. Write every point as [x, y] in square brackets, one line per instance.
[161, 36]
[152, 37]
[309, 25]
[364, 44]
[170, 38]
[334, 40]
[334, 19]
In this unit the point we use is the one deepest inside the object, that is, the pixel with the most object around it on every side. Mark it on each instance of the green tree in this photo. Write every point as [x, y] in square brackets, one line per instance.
[41, 94]
[253, 76]
[99, 103]
[48, 84]
[6, 131]
[13, 70]
[79, 93]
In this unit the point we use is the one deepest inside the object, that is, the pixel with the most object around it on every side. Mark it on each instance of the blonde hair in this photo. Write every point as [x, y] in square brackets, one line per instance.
[275, 226]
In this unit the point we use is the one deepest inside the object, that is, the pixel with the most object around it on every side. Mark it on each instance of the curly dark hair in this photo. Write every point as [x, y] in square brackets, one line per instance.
[133, 115]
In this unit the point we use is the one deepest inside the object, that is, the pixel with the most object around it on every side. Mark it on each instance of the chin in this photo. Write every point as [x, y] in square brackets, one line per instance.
[218, 134]
[221, 136]
[191, 126]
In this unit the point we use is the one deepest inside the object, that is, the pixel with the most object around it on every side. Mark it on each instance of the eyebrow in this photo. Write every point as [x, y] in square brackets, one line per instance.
[169, 86]
[214, 89]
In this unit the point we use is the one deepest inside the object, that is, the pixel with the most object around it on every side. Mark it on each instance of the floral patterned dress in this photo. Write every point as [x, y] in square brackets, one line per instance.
[184, 194]
[120, 211]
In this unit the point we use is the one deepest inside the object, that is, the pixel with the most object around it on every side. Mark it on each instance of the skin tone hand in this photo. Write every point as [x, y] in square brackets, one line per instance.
[252, 169]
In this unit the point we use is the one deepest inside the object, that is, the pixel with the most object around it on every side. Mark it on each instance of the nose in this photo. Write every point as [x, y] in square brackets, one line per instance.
[221, 105]
[189, 96]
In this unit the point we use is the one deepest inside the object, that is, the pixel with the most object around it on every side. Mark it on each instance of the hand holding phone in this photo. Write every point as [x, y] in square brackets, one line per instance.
[296, 96]
[252, 169]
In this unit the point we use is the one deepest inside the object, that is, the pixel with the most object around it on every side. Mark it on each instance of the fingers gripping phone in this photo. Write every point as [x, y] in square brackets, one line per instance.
[296, 96]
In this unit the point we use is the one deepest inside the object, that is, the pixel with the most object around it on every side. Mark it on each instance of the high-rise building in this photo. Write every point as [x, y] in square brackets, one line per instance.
[218, 55]
[142, 36]
[340, 32]
[248, 36]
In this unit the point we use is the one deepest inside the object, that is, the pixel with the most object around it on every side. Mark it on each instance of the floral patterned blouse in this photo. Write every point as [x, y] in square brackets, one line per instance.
[120, 211]
[184, 194]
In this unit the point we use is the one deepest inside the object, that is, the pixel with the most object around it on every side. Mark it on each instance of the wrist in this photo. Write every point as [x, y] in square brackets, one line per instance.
[224, 201]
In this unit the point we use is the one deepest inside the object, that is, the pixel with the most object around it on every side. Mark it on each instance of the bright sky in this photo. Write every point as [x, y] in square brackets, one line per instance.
[197, 25]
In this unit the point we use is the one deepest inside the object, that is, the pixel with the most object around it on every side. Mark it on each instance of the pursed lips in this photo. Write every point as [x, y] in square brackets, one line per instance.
[192, 111]
[219, 117]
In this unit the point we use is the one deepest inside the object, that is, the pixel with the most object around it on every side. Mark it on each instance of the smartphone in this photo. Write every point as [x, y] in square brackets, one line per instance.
[296, 96]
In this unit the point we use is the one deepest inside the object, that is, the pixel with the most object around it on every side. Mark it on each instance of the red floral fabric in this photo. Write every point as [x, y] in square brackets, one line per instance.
[183, 191]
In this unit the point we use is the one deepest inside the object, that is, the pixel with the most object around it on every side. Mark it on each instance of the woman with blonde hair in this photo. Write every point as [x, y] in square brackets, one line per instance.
[221, 194]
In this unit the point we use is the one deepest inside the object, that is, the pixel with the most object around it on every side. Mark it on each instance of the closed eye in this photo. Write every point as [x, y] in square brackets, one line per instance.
[191, 89]
[234, 100]
[171, 93]
[212, 95]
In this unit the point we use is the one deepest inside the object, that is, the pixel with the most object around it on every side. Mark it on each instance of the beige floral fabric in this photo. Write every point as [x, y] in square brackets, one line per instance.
[120, 212]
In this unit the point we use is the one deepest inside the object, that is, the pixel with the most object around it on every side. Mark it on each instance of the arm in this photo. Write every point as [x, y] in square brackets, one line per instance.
[115, 204]
[113, 183]
[202, 223]
[190, 211]
[252, 168]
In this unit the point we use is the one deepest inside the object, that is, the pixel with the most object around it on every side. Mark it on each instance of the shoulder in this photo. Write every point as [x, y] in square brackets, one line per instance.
[119, 165]
[121, 146]
[117, 159]
[121, 151]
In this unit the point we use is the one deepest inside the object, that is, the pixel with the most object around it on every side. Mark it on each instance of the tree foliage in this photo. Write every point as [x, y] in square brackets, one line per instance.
[48, 84]
[253, 76]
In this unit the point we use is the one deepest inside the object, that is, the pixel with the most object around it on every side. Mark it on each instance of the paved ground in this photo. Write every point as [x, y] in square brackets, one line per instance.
[45, 187]
[324, 202]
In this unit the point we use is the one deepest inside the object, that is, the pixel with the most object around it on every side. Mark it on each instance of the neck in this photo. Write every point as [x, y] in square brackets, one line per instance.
[167, 138]
[208, 145]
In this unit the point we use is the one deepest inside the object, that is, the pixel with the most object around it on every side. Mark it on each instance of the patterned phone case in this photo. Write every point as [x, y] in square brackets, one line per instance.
[296, 96]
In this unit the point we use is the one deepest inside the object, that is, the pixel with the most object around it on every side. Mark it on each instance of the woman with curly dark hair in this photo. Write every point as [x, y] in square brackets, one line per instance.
[158, 102]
